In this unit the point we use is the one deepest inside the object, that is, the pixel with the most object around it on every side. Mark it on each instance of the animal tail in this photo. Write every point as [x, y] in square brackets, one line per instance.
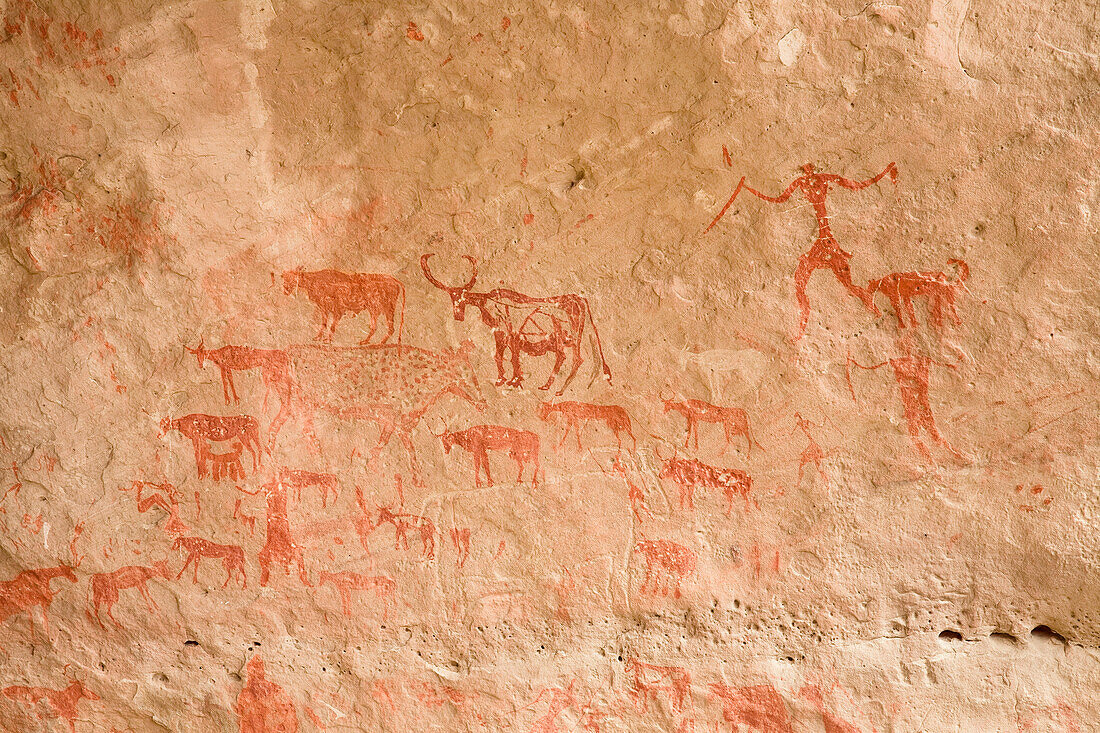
[596, 335]
[964, 270]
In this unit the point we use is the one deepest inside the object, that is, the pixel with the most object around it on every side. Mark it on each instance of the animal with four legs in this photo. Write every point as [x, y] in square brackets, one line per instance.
[522, 447]
[522, 324]
[204, 430]
[733, 420]
[336, 293]
[106, 587]
[62, 703]
[576, 415]
[393, 386]
[689, 473]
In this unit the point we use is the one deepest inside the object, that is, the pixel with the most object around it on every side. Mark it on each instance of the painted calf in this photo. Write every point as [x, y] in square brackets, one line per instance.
[204, 430]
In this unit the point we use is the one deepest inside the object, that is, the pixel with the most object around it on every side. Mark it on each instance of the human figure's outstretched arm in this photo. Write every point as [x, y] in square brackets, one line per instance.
[775, 199]
[891, 169]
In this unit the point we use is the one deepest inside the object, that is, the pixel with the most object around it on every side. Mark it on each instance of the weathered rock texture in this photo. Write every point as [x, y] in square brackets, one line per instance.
[222, 512]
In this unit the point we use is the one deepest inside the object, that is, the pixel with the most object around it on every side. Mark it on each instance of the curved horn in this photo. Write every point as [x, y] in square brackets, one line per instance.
[197, 349]
[473, 264]
[428, 273]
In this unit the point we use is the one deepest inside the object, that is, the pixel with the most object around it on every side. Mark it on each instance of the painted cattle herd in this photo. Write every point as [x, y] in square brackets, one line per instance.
[385, 388]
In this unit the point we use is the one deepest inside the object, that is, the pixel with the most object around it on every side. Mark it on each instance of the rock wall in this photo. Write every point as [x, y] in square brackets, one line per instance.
[549, 366]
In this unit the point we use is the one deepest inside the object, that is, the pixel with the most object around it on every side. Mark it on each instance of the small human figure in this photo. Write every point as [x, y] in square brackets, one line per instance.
[262, 705]
[826, 251]
[911, 371]
[812, 453]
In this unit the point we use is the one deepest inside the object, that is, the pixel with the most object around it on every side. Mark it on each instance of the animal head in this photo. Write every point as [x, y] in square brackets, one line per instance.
[161, 566]
[82, 691]
[385, 515]
[66, 572]
[459, 295]
[543, 410]
[178, 543]
[326, 577]
[165, 426]
[448, 440]
[291, 280]
[464, 383]
[200, 353]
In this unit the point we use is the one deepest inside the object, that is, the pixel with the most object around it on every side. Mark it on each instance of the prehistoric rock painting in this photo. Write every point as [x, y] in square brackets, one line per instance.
[279, 545]
[298, 479]
[522, 324]
[937, 289]
[403, 524]
[734, 420]
[59, 703]
[689, 473]
[345, 582]
[757, 708]
[649, 680]
[272, 363]
[911, 372]
[393, 386]
[576, 416]
[667, 565]
[235, 432]
[106, 587]
[812, 453]
[245, 173]
[826, 252]
[338, 293]
[163, 496]
[522, 447]
[232, 558]
[31, 589]
[262, 705]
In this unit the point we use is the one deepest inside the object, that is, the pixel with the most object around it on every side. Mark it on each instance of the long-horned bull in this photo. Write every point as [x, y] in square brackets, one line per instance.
[391, 385]
[525, 324]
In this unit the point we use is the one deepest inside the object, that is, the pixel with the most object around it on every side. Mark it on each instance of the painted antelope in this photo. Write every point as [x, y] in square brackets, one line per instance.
[232, 558]
[346, 582]
[902, 287]
[648, 679]
[733, 420]
[29, 589]
[205, 429]
[522, 447]
[403, 524]
[272, 363]
[688, 473]
[665, 560]
[394, 386]
[105, 586]
[336, 293]
[576, 415]
[522, 324]
[62, 703]
[297, 479]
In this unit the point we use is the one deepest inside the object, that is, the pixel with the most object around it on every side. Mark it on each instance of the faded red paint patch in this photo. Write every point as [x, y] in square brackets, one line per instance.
[413, 32]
